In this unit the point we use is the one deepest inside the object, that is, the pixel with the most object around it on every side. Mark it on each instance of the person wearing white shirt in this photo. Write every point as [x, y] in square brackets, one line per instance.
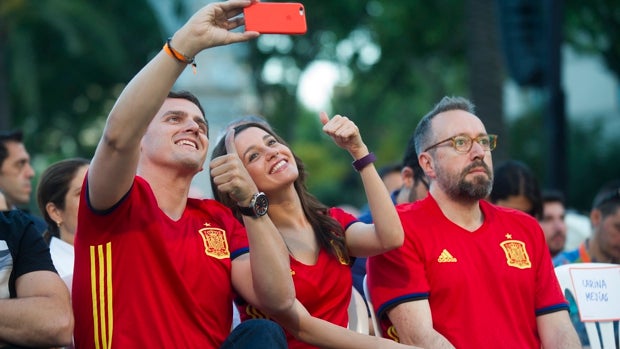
[58, 197]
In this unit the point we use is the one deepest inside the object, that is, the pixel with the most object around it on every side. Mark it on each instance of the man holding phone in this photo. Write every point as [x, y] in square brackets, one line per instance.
[153, 267]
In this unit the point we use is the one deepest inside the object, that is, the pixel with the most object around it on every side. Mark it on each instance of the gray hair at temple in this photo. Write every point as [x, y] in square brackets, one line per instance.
[423, 134]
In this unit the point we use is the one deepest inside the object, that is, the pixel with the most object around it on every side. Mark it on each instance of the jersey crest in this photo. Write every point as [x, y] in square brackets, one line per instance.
[341, 258]
[392, 334]
[254, 313]
[516, 254]
[215, 242]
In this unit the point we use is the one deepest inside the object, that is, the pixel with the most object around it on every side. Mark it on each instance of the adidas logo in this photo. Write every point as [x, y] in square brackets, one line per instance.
[446, 257]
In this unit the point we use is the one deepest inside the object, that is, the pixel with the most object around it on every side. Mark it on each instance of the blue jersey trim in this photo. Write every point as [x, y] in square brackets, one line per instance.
[402, 299]
[239, 252]
[552, 309]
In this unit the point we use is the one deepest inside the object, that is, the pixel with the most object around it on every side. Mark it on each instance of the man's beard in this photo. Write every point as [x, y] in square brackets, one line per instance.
[463, 190]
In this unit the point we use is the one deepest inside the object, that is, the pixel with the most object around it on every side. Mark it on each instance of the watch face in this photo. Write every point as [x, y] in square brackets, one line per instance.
[261, 204]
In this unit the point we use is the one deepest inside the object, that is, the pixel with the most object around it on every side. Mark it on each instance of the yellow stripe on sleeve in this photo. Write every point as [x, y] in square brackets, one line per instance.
[101, 292]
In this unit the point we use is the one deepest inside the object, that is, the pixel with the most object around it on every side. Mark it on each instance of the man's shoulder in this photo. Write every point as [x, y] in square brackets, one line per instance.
[507, 213]
[419, 205]
[420, 211]
[39, 223]
[211, 208]
[13, 223]
[208, 205]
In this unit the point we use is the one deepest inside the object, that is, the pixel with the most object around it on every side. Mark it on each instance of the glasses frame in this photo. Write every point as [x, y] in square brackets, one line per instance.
[492, 142]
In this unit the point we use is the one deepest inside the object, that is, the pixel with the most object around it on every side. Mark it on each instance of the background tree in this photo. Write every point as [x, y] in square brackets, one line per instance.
[64, 61]
[398, 59]
[594, 27]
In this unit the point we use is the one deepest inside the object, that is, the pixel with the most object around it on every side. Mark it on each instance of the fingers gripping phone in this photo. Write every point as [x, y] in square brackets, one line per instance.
[275, 18]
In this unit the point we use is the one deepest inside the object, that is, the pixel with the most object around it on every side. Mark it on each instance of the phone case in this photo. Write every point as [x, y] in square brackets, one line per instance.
[275, 18]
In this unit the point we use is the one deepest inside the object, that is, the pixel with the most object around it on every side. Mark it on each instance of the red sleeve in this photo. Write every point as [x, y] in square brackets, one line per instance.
[549, 295]
[343, 217]
[390, 280]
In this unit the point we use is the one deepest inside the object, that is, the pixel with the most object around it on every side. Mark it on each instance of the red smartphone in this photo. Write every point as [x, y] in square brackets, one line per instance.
[275, 18]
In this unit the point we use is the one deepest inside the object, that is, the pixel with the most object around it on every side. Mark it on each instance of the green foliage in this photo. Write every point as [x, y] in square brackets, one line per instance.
[594, 27]
[591, 154]
[66, 63]
[399, 58]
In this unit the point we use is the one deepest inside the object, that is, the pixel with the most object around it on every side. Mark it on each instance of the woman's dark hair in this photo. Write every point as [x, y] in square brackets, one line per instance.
[53, 187]
[512, 178]
[327, 230]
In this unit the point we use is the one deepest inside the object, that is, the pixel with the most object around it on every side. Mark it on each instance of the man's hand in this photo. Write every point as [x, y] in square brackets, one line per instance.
[230, 175]
[212, 26]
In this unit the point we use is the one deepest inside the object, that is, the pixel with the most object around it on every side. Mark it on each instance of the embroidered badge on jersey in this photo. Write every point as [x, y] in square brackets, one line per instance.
[215, 242]
[516, 254]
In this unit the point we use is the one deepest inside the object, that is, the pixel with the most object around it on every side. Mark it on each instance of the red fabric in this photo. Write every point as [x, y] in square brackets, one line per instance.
[481, 294]
[156, 283]
[323, 288]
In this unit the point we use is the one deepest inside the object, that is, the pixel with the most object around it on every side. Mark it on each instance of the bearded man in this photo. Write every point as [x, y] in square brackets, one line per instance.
[470, 274]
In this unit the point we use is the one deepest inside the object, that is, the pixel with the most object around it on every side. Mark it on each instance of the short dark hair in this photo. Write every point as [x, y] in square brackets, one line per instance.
[389, 168]
[553, 195]
[422, 134]
[9, 136]
[53, 187]
[514, 177]
[607, 199]
[192, 98]
[410, 159]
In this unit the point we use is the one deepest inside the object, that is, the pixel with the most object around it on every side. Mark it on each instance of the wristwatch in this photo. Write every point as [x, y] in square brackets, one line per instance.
[258, 206]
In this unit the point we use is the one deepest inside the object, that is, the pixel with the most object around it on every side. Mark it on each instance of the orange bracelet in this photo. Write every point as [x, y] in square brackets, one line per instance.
[179, 56]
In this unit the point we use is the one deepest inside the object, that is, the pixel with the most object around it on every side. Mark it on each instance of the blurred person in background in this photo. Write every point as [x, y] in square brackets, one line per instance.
[35, 307]
[390, 175]
[16, 174]
[602, 247]
[553, 220]
[58, 197]
[515, 186]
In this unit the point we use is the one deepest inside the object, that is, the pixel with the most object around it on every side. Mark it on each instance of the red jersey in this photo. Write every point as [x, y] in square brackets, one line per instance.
[485, 288]
[323, 288]
[142, 280]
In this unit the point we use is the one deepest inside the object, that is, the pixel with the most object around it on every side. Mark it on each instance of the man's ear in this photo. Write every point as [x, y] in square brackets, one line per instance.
[406, 174]
[427, 164]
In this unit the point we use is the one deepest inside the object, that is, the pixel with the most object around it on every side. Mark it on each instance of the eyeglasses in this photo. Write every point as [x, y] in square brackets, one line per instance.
[463, 144]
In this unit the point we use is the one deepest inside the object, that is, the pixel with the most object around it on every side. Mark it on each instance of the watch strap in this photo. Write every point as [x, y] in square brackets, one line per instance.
[247, 211]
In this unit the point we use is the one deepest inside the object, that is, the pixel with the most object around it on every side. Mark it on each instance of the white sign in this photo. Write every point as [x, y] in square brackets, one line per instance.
[597, 292]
